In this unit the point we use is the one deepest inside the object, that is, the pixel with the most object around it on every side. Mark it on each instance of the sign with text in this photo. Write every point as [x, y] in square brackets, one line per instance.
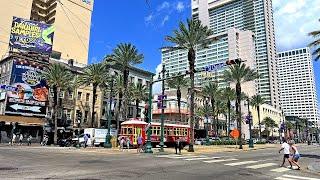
[32, 92]
[31, 35]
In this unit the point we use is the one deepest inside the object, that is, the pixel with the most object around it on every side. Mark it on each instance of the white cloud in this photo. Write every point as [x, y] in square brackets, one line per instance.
[149, 18]
[180, 6]
[165, 19]
[164, 5]
[293, 20]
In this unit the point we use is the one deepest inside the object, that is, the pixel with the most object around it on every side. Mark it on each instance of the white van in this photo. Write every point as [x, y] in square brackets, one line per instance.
[98, 135]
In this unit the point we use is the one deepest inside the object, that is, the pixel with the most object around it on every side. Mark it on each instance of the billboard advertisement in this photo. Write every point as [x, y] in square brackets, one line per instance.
[31, 35]
[32, 91]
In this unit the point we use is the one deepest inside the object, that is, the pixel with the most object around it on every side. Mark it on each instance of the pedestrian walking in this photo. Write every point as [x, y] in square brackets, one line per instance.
[121, 143]
[128, 143]
[295, 154]
[13, 140]
[20, 139]
[286, 152]
[29, 140]
[140, 143]
[85, 138]
[177, 146]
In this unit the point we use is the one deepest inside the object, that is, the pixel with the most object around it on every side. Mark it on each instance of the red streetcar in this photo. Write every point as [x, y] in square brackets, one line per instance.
[135, 127]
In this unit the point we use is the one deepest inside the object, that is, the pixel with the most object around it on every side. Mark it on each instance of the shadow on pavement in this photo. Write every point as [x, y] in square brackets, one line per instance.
[310, 156]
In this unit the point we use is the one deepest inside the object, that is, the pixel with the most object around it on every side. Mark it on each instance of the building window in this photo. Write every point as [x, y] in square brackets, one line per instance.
[130, 113]
[79, 95]
[139, 81]
[86, 113]
[87, 96]
[79, 115]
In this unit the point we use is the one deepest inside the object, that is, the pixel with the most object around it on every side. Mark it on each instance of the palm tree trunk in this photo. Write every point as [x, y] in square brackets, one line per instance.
[226, 124]
[94, 90]
[213, 115]
[125, 93]
[55, 113]
[191, 59]
[217, 124]
[238, 91]
[229, 117]
[119, 111]
[137, 108]
[179, 102]
[258, 109]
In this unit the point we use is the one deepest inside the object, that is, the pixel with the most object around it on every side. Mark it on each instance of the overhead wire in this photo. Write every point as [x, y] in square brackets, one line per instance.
[77, 17]
[73, 26]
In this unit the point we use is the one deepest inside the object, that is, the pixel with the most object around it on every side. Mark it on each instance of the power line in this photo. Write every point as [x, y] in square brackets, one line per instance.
[76, 16]
[72, 25]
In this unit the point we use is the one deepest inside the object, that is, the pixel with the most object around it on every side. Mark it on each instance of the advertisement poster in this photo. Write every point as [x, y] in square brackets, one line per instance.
[31, 35]
[32, 93]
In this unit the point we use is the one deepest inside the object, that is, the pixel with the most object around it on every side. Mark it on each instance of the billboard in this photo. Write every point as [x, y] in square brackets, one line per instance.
[32, 93]
[31, 35]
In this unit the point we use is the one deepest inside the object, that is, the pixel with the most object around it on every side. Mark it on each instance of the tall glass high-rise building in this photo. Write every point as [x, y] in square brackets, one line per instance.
[298, 94]
[220, 16]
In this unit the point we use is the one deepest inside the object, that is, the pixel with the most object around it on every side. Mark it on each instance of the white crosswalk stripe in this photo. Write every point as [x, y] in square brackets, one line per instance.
[201, 158]
[240, 163]
[184, 157]
[258, 166]
[281, 169]
[219, 160]
[291, 177]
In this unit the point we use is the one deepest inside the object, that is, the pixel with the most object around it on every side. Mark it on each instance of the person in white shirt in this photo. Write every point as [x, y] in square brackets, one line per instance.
[286, 152]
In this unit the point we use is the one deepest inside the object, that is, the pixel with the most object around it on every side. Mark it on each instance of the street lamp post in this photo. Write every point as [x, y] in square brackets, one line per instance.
[163, 71]
[107, 143]
[250, 121]
[148, 144]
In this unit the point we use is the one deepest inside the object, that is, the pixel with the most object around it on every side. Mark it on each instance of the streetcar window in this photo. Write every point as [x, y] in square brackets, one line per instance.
[158, 131]
[129, 130]
[124, 130]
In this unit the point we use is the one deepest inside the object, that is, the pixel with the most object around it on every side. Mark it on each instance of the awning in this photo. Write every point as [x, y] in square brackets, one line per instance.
[22, 120]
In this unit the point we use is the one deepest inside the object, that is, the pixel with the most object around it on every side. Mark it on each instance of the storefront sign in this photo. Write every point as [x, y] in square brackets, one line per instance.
[31, 35]
[32, 92]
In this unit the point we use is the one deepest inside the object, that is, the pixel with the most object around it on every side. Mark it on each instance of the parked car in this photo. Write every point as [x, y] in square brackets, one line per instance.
[200, 141]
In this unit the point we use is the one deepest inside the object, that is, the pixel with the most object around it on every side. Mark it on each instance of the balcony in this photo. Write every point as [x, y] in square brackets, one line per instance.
[171, 111]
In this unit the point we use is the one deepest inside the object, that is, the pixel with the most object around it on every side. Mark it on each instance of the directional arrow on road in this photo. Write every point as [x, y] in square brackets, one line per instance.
[26, 108]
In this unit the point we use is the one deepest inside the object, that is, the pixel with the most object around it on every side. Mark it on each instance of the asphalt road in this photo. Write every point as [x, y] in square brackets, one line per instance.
[59, 163]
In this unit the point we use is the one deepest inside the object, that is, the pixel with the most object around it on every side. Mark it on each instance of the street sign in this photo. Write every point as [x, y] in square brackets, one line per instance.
[26, 108]
[214, 67]
[8, 88]
[235, 134]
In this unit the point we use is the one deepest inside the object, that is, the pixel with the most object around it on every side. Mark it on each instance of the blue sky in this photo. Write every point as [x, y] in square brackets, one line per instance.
[145, 26]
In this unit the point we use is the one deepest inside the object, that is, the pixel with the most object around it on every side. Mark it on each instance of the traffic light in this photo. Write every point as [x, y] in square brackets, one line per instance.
[79, 117]
[233, 61]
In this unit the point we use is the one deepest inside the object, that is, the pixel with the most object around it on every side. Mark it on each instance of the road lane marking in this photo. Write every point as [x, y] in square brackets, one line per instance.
[299, 177]
[201, 158]
[258, 166]
[169, 155]
[283, 178]
[219, 160]
[184, 157]
[240, 163]
[281, 169]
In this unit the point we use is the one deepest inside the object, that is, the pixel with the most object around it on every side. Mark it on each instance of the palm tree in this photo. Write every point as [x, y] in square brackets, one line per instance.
[125, 55]
[95, 75]
[178, 83]
[257, 101]
[189, 37]
[139, 93]
[212, 91]
[228, 94]
[270, 124]
[58, 78]
[239, 73]
[315, 43]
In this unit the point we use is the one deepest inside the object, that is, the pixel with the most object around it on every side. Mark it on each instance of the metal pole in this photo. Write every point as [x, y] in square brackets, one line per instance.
[162, 110]
[148, 144]
[250, 119]
[207, 119]
[108, 137]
